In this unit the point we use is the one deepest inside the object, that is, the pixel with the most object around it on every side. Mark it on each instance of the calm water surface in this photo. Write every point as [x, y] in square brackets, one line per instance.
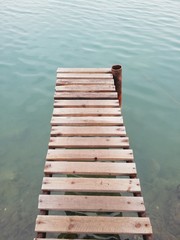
[38, 36]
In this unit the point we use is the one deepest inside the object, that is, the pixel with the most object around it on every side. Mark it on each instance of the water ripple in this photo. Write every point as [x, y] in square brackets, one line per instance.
[37, 37]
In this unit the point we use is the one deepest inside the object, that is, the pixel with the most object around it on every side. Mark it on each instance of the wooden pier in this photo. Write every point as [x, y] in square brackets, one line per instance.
[89, 166]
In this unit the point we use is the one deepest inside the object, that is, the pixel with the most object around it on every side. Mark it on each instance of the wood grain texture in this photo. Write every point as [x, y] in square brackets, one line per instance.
[90, 155]
[87, 112]
[84, 70]
[85, 75]
[89, 142]
[100, 131]
[90, 184]
[63, 238]
[90, 168]
[84, 81]
[85, 95]
[91, 203]
[81, 88]
[106, 225]
[87, 121]
[87, 103]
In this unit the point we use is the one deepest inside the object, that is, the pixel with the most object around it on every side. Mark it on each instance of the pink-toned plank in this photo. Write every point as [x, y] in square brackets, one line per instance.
[87, 103]
[109, 185]
[90, 155]
[84, 75]
[83, 81]
[84, 70]
[91, 203]
[90, 168]
[81, 88]
[68, 131]
[87, 112]
[87, 121]
[85, 95]
[87, 224]
[89, 142]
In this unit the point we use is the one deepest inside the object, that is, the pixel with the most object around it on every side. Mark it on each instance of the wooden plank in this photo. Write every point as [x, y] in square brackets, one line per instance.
[100, 131]
[90, 168]
[86, 103]
[85, 75]
[88, 224]
[90, 155]
[84, 81]
[89, 142]
[87, 121]
[87, 88]
[63, 238]
[85, 95]
[86, 111]
[91, 203]
[107, 185]
[84, 70]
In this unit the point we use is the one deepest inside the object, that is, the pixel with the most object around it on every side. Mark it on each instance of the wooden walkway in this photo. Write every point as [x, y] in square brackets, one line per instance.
[89, 165]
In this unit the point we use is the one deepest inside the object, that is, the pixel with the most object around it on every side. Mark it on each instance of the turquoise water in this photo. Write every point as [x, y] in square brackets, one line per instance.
[36, 37]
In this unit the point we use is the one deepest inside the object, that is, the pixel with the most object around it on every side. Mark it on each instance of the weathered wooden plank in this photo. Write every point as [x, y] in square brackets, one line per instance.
[87, 121]
[91, 203]
[85, 95]
[90, 184]
[84, 81]
[86, 103]
[84, 75]
[84, 70]
[89, 88]
[63, 238]
[90, 168]
[88, 131]
[90, 155]
[89, 142]
[86, 111]
[87, 224]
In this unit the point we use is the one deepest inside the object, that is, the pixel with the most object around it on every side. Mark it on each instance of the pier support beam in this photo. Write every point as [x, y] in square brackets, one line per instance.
[117, 75]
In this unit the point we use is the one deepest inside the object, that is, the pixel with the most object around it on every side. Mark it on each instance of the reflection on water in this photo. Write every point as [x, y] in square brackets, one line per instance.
[36, 38]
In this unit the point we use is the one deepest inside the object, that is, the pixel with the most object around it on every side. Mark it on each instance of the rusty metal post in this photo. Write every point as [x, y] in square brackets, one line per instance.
[147, 237]
[117, 76]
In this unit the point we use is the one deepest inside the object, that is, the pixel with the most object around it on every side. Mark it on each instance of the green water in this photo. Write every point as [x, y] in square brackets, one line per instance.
[36, 37]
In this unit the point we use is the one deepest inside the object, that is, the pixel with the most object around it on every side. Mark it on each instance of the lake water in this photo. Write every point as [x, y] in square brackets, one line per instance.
[36, 37]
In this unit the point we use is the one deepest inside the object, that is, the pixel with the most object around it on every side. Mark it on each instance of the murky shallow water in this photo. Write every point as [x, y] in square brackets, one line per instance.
[38, 36]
